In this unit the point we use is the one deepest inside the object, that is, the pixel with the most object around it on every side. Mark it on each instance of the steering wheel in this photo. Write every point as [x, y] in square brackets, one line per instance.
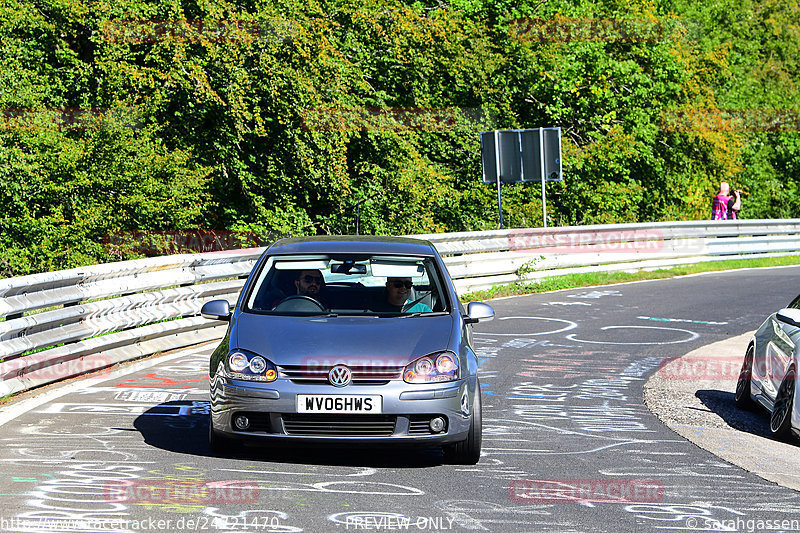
[299, 302]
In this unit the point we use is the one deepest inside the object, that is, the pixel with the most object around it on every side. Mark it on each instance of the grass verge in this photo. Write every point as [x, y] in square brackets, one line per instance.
[588, 279]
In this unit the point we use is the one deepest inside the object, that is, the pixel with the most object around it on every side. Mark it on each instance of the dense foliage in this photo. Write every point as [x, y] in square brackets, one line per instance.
[321, 116]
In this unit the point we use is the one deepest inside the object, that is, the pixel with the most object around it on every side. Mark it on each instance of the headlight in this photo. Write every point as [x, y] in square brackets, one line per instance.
[423, 367]
[238, 362]
[258, 364]
[432, 369]
[446, 363]
[252, 367]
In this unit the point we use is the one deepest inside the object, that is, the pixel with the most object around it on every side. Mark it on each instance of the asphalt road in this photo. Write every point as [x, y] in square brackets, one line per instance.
[568, 442]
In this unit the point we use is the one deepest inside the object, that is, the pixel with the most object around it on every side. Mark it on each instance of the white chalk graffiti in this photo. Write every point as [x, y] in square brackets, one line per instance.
[595, 295]
[569, 325]
[691, 336]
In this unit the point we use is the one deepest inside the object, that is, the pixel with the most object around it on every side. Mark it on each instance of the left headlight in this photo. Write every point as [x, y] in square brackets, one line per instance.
[432, 368]
[249, 366]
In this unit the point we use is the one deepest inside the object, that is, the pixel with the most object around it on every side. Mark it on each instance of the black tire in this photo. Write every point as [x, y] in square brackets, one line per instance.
[219, 444]
[742, 395]
[780, 422]
[468, 451]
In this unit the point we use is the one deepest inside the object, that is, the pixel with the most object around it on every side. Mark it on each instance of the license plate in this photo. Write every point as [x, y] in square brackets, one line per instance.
[338, 403]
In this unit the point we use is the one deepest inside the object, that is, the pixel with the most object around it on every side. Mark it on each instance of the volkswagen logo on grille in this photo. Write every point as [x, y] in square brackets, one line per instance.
[339, 376]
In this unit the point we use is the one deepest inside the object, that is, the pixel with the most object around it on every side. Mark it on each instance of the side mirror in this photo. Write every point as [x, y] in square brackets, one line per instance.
[789, 316]
[216, 310]
[477, 311]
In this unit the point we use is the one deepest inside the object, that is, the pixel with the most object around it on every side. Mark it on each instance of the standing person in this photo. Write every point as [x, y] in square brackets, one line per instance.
[719, 207]
[734, 205]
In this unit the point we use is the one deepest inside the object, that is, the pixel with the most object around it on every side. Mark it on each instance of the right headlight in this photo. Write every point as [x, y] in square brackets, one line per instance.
[250, 366]
[434, 368]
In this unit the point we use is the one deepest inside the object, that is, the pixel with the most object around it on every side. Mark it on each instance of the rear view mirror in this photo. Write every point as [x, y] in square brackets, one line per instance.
[216, 310]
[789, 316]
[478, 311]
[348, 267]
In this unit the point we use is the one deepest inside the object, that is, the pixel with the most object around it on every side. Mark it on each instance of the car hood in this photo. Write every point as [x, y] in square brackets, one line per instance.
[297, 340]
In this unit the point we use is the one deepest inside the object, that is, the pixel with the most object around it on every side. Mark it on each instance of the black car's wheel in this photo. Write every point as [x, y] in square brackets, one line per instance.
[468, 451]
[742, 394]
[781, 420]
[218, 443]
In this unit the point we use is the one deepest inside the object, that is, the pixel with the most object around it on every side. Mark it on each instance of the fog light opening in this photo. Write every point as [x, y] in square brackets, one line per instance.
[241, 422]
[437, 424]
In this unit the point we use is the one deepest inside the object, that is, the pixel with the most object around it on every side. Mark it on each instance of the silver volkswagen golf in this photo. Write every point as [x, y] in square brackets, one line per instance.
[353, 340]
[768, 377]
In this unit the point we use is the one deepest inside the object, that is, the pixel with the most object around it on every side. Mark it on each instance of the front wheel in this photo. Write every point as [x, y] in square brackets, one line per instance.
[468, 451]
[742, 395]
[780, 422]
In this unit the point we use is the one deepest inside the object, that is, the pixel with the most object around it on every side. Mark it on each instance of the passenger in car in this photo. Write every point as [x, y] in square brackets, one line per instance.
[397, 295]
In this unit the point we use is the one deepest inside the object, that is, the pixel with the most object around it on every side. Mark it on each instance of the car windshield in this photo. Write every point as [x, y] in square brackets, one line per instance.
[374, 285]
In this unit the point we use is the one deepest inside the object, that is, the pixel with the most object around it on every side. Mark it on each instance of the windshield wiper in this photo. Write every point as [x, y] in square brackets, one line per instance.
[325, 314]
[411, 315]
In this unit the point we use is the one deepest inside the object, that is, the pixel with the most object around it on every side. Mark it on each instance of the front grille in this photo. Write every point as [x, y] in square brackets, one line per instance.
[339, 425]
[373, 374]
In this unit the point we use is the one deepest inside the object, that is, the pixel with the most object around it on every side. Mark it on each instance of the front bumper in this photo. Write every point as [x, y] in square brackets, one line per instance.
[271, 409]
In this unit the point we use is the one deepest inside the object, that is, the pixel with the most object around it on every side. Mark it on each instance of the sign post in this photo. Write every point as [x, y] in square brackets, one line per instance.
[541, 161]
[497, 170]
[519, 156]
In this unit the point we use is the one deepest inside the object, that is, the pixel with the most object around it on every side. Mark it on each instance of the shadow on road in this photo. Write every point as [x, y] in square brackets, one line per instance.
[754, 421]
[182, 427]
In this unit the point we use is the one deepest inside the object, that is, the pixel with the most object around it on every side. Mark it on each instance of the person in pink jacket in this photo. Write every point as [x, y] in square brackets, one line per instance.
[722, 208]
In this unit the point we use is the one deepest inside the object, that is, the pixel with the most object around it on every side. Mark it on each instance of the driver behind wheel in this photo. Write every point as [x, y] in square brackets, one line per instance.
[311, 283]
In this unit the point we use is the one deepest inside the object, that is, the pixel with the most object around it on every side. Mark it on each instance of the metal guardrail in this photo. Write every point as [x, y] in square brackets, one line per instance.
[62, 324]
[479, 260]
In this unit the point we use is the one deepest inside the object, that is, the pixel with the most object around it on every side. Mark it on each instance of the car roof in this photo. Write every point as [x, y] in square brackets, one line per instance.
[352, 244]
